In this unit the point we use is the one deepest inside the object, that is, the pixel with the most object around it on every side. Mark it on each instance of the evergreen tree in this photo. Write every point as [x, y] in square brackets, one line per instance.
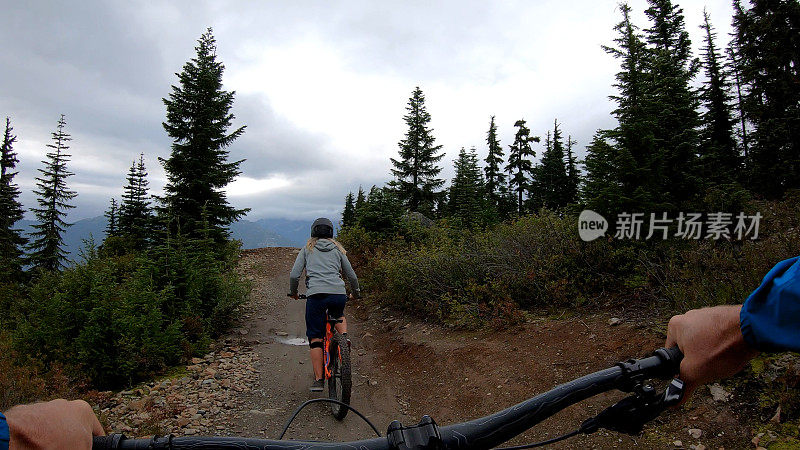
[112, 219]
[519, 164]
[349, 213]
[135, 214]
[361, 198]
[550, 176]
[495, 179]
[674, 103]
[382, 210]
[198, 120]
[603, 191]
[46, 250]
[11, 240]
[741, 132]
[573, 175]
[633, 139]
[719, 154]
[768, 63]
[467, 191]
[416, 170]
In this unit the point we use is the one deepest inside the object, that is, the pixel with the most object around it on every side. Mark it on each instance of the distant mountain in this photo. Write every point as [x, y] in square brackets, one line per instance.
[253, 234]
[257, 235]
[93, 228]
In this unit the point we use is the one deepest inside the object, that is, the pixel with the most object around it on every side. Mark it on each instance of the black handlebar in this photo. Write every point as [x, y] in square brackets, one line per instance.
[627, 416]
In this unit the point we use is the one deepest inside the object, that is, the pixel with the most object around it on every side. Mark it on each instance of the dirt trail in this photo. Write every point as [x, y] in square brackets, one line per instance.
[402, 369]
[276, 324]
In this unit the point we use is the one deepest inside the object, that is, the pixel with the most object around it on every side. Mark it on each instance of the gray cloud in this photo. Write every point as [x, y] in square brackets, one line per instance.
[326, 120]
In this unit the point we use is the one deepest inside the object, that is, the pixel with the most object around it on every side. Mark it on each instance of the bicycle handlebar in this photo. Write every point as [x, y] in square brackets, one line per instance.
[627, 416]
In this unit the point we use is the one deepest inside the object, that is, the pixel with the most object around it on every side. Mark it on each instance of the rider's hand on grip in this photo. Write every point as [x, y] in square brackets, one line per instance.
[712, 345]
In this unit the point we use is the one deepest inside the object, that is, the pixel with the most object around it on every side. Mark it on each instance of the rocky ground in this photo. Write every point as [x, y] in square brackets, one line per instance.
[253, 379]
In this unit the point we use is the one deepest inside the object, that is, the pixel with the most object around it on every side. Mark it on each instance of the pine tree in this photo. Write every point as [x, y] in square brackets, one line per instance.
[349, 213]
[519, 164]
[361, 198]
[135, 215]
[198, 120]
[112, 219]
[768, 63]
[741, 131]
[467, 191]
[719, 155]
[674, 103]
[603, 190]
[550, 176]
[633, 139]
[573, 175]
[381, 211]
[416, 170]
[46, 250]
[11, 240]
[495, 179]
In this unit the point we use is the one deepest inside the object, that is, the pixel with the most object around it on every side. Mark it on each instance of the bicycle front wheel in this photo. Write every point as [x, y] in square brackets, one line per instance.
[340, 382]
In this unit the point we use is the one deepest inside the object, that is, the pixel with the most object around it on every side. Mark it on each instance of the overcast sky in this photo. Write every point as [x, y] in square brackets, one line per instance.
[322, 86]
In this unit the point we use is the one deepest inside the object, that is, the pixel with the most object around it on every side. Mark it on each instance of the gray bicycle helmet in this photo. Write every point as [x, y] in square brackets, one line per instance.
[322, 228]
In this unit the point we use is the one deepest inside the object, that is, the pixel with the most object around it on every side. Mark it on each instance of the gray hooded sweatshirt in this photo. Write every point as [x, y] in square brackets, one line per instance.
[323, 265]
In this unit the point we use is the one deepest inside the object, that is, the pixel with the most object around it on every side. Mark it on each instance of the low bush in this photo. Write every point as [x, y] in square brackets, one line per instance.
[459, 276]
[123, 316]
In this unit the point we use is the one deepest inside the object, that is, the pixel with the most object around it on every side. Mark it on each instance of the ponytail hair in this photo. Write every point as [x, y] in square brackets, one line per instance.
[313, 241]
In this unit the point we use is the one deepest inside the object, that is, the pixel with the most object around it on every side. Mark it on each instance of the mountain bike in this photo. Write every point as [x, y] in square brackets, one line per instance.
[626, 416]
[337, 368]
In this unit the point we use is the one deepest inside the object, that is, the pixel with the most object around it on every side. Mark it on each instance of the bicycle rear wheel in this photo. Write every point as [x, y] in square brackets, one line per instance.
[340, 382]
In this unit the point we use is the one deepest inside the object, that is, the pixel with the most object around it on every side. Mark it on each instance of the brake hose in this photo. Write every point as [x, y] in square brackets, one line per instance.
[327, 400]
[543, 443]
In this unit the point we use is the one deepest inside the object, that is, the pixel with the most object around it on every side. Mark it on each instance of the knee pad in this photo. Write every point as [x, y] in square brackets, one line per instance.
[315, 344]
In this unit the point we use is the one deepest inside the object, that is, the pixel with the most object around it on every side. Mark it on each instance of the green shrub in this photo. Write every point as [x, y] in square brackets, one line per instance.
[538, 262]
[121, 317]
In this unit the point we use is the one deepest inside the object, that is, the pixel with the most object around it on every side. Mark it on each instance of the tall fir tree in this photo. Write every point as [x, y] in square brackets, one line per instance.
[495, 179]
[573, 173]
[416, 170]
[519, 164]
[633, 138]
[550, 176]
[46, 251]
[135, 215]
[719, 155]
[603, 190]
[674, 107]
[198, 121]
[741, 130]
[349, 213]
[11, 239]
[112, 218]
[361, 198]
[467, 191]
[768, 63]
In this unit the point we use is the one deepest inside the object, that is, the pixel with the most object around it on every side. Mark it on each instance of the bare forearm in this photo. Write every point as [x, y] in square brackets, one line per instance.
[54, 424]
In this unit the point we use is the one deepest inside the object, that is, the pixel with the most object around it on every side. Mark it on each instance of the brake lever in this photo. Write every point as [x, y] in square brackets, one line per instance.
[630, 414]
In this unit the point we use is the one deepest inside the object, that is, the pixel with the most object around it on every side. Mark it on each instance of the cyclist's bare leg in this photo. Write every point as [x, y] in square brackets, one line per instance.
[342, 327]
[316, 360]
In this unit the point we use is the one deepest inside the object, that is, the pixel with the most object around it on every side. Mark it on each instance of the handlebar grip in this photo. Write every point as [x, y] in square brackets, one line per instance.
[110, 442]
[671, 359]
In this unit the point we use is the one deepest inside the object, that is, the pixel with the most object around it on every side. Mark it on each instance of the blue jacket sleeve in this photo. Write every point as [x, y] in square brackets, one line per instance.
[770, 317]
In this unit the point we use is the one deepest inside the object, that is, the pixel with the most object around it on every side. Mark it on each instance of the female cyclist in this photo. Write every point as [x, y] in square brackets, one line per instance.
[324, 260]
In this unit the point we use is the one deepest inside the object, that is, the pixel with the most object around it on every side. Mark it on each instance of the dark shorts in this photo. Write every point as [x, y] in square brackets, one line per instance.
[316, 305]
